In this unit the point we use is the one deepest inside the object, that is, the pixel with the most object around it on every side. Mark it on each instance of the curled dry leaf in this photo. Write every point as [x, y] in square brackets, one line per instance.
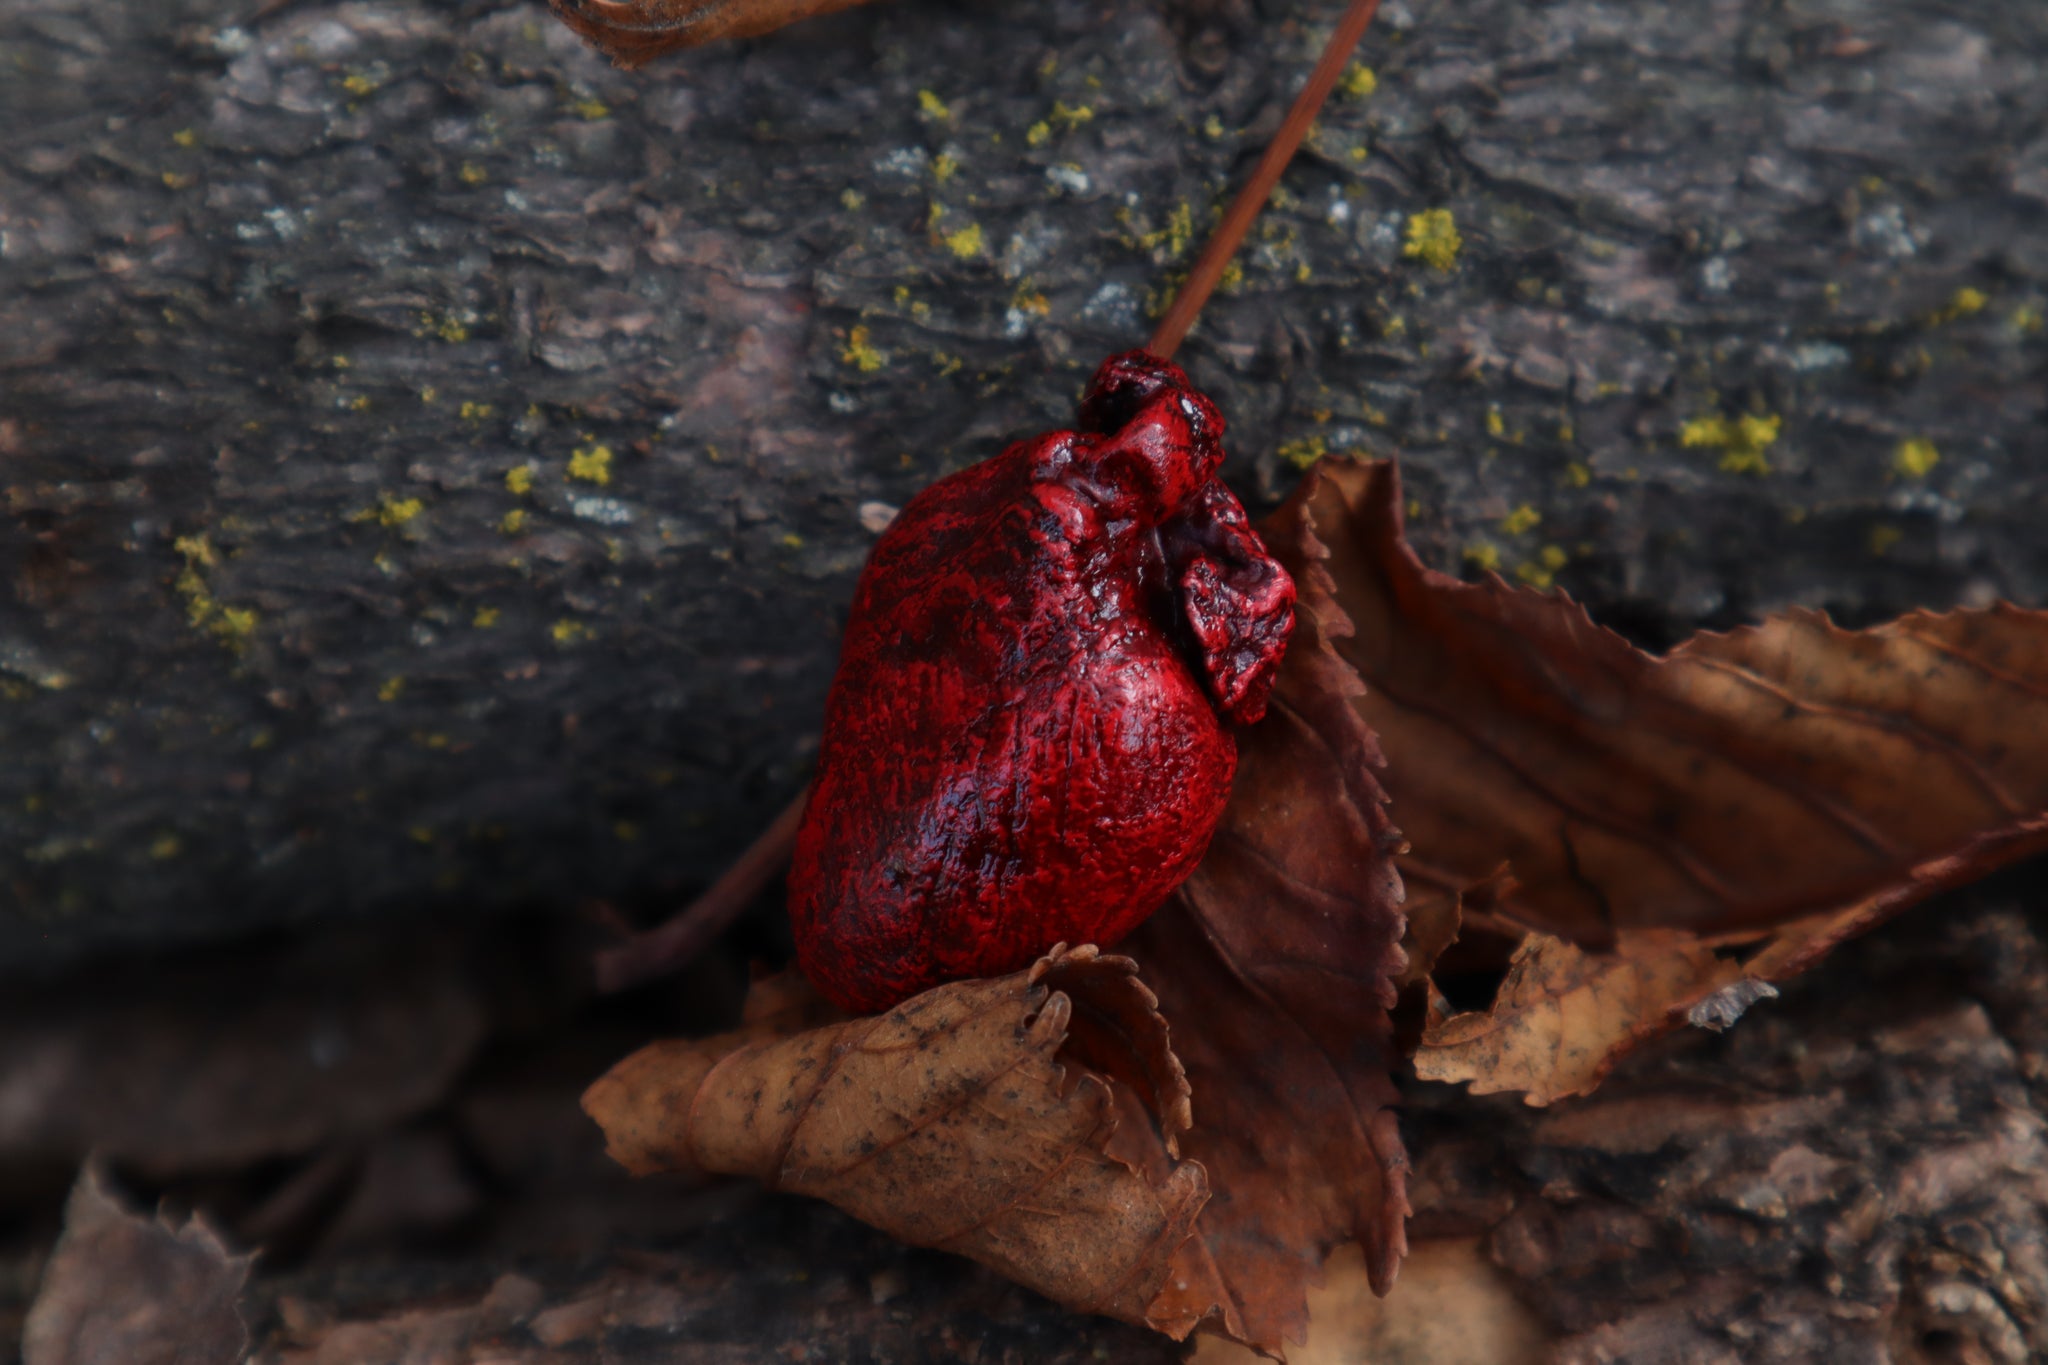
[125, 1289]
[953, 1121]
[1277, 962]
[634, 31]
[1564, 1016]
[1040, 1122]
[1788, 785]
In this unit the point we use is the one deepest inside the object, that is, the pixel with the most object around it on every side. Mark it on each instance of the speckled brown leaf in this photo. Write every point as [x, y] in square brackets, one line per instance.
[1564, 1016]
[1784, 786]
[1276, 961]
[953, 1121]
[1456, 1307]
[126, 1289]
[634, 31]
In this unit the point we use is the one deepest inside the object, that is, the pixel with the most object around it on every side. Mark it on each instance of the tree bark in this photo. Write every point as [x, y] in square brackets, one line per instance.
[436, 463]
[1855, 1172]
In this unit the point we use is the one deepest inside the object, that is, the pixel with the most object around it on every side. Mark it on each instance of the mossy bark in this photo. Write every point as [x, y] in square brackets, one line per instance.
[436, 462]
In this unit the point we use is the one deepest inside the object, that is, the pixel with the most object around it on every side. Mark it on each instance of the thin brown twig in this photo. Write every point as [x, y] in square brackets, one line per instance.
[667, 948]
[670, 946]
[1229, 234]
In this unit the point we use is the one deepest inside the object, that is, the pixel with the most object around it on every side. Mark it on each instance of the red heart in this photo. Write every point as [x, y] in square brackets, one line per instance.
[1028, 740]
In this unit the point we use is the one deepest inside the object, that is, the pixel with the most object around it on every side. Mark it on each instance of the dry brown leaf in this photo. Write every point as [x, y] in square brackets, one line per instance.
[1278, 957]
[123, 1289]
[1455, 1308]
[1785, 785]
[953, 1121]
[1564, 1016]
[1276, 962]
[1745, 779]
[453, 1332]
[634, 31]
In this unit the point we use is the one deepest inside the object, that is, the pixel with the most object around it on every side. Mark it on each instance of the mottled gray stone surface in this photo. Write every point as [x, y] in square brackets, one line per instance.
[289, 300]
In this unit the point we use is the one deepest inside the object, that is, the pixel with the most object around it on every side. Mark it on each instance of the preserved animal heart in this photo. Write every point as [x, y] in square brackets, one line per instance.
[1028, 740]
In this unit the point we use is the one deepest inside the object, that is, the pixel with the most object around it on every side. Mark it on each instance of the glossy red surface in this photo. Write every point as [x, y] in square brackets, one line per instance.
[1028, 740]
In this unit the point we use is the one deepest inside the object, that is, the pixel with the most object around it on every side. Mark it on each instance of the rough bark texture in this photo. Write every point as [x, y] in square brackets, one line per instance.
[290, 295]
[779, 1280]
[1855, 1172]
[435, 465]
